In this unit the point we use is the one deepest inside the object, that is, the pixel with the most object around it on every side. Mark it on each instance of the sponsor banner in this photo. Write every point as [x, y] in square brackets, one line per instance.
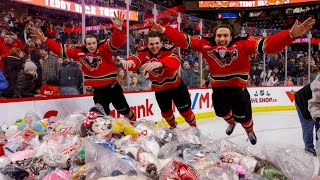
[272, 96]
[77, 8]
[143, 104]
[252, 3]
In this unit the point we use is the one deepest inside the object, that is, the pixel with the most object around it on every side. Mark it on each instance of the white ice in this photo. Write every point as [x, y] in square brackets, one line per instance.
[281, 128]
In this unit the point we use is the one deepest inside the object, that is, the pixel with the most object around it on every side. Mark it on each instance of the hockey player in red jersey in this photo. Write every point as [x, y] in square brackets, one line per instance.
[98, 67]
[229, 64]
[162, 64]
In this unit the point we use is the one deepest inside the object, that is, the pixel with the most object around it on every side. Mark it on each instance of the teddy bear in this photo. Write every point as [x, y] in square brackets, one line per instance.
[120, 126]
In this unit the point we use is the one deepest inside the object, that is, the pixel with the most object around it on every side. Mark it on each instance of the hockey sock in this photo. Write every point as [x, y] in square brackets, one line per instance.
[189, 117]
[229, 118]
[248, 126]
[169, 117]
[131, 116]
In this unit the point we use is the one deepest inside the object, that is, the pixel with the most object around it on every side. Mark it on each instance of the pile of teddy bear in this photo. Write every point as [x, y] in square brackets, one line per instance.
[91, 145]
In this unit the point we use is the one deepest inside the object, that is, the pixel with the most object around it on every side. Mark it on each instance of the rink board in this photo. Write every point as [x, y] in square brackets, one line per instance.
[145, 105]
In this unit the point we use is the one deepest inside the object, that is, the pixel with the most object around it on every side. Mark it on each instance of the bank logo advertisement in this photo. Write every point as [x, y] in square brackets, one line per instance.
[262, 96]
[291, 94]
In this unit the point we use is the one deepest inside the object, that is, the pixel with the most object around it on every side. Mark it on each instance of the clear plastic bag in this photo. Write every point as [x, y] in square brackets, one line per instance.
[178, 171]
[101, 162]
[58, 174]
[57, 153]
[200, 158]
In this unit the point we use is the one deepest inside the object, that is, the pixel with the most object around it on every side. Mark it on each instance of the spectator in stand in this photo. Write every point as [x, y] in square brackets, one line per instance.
[3, 83]
[289, 82]
[186, 73]
[195, 75]
[51, 88]
[51, 32]
[13, 64]
[255, 76]
[205, 76]
[49, 64]
[8, 40]
[26, 83]
[122, 79]
[143, 80]
[134, 85]
[71, 78]
[314, 72]
[272, 80]
[33, 54]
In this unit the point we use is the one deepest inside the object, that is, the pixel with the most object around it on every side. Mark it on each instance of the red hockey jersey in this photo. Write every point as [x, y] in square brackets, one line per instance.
[98, 68]
[163, 78]
[5, 49]
[230, 66]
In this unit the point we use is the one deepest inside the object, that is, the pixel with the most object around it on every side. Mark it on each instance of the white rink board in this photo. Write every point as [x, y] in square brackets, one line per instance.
[144, 103]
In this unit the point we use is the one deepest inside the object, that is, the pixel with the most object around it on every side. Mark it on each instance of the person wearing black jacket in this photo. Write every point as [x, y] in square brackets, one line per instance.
[307, 122]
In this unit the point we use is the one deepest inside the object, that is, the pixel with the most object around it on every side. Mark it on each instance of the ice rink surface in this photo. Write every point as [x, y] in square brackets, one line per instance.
[280, 128]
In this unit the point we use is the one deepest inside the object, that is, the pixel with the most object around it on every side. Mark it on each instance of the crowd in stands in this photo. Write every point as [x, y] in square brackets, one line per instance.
[29, 69]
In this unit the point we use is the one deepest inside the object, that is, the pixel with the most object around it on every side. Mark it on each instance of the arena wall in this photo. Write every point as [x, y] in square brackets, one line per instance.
[145, 105]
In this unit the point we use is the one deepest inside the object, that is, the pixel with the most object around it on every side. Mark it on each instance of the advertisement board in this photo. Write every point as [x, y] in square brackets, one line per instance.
[145, 106]
[77, 8]
[245, 4]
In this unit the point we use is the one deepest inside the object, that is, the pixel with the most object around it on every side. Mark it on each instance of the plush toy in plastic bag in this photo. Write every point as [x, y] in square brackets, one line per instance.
[291, 162]
[57, 153]
[189, 135]
[121, 126]
[38, 127]
[148, 163]
[218, 173]
[201, 158]
[31, 115]
[178, 171]
[21, 155]
[58, 174]
[14, 172]
[73, 122]
[101, 162]
[96, 124]
[232, 157]
[35, 166]
[271, 173]
[4, 161]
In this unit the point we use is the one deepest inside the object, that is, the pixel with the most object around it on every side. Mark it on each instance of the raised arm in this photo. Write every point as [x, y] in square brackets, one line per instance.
[178, 38]
[59, 49]
[277, 42]
[118, 38]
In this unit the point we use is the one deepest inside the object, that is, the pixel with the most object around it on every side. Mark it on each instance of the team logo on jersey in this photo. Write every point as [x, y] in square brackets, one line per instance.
[91, 60]
[224, 56]
[156, 72]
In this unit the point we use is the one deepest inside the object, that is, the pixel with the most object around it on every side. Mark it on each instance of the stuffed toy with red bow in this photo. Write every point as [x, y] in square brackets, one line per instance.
[97, 124]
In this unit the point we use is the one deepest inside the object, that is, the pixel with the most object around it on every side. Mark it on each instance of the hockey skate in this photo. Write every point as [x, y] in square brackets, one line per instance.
[252, 137]
[311, 151]
[230, 129]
